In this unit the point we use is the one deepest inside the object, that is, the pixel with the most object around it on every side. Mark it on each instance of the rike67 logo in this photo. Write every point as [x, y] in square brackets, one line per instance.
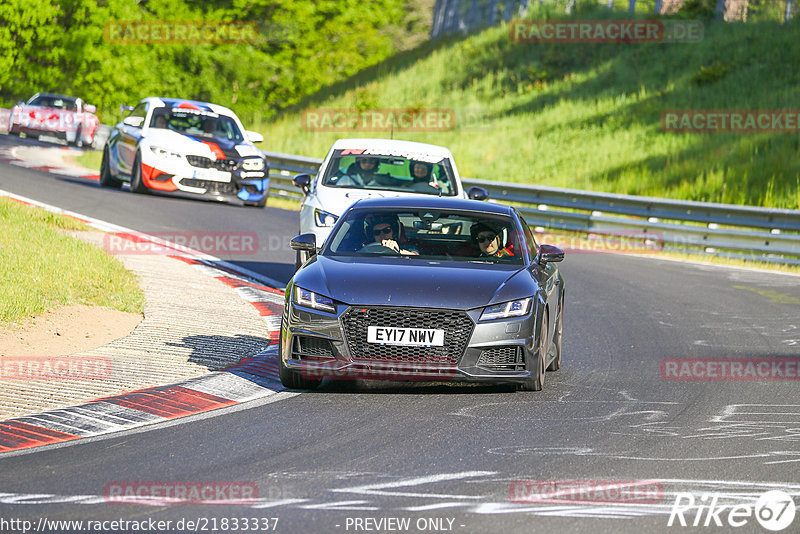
[774, 510]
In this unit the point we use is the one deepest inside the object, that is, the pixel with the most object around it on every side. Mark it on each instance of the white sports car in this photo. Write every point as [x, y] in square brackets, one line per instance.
[187, 148]
[372, 168]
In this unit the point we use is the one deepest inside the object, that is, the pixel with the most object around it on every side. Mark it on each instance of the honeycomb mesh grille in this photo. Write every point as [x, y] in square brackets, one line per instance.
[502, 358]
[305, 346]
[457, 328]
[207, 163]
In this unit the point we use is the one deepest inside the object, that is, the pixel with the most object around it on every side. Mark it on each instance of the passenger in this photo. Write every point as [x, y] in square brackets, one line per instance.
[385, 229]
[420, 172]
[487, 237]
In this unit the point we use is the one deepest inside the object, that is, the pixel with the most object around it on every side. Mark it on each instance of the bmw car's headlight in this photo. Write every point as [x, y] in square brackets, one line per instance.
[323, 218]
[309, 299]
[164, 153]
[514, 308]
[253, 164]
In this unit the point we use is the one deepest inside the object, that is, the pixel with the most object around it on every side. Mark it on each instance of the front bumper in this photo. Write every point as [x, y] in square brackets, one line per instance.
[317, 345]
[172, 176]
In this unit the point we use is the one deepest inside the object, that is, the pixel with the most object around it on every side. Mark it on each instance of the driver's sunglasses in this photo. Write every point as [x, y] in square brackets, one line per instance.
[387, 230]
[484, 238]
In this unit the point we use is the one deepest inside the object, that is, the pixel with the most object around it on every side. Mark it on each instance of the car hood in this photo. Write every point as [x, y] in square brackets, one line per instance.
[414, 282]
[210, 147]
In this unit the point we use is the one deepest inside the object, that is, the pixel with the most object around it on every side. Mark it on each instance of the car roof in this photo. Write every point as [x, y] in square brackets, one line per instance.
[189, 104]
[431, 202]
[56, 95]
[392, 146]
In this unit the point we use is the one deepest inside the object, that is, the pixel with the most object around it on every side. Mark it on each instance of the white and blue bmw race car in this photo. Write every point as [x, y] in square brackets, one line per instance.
[187, 148]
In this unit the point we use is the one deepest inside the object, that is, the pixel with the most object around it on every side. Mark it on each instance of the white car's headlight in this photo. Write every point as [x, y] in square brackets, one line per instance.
[253, 164]
[325, 219]
[309, 299]
[164, 153]
[514, 308]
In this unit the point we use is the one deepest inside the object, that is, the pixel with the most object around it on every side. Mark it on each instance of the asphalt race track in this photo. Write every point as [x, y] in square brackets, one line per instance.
[367, 457]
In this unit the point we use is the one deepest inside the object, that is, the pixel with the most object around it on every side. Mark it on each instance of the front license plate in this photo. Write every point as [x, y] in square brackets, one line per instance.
[212, 175]
[387, 335]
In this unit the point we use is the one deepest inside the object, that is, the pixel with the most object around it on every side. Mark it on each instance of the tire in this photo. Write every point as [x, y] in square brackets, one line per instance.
[555, 365]
[106, 179]
[78, 143]
[536, 381]
[289, 378]
[136, 176]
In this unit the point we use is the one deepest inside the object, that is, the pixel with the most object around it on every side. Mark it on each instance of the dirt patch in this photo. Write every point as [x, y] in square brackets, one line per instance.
[66, 330]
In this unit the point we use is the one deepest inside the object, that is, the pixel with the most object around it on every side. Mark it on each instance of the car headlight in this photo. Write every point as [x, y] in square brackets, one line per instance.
[513, 308]
[323, 218]
[309, 299]
[164, 153]
[253, 164]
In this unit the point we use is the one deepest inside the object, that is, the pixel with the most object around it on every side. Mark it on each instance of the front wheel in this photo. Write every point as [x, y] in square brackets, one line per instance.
[106, 180]
[537, 367]
[137, 186]
[555, 365]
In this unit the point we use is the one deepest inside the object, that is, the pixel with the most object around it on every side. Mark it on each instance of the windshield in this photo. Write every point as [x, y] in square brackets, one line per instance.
[196, 123]
[56, 102]
[411, 173]
[427, 234]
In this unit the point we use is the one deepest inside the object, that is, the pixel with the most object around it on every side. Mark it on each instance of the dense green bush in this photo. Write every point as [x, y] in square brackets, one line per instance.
[59, 45]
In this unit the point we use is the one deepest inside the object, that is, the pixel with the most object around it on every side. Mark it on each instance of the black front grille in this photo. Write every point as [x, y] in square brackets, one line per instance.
[211, 186]
[457, 328]
[309, 347]
[502, 359]
[207, 163]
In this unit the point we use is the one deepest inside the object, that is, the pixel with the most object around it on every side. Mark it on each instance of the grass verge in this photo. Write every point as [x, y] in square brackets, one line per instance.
[586, 116]
[43, 267]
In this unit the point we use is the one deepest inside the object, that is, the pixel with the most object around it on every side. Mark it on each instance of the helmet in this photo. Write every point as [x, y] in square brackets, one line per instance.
[370, 221]
[481, 226]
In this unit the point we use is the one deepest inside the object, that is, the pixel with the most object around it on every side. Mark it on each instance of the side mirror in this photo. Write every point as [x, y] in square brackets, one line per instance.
[255, 137]
[302, 181]
[88, 108]
[306, 245]
[136, 122]
[123, 108]
[477, 193]
[549, 253]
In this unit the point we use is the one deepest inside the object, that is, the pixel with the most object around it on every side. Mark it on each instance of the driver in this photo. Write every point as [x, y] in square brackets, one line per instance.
[360, 173]
[422, 180]
[385, 229]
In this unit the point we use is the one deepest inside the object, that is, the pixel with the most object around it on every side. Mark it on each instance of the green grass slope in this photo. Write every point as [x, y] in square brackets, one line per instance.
[587, 116]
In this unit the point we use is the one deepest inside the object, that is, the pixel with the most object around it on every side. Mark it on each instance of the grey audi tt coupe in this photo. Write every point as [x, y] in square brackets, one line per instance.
[424, 289]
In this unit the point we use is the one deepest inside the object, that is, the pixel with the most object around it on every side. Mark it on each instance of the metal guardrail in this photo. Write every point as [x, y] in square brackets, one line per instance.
[767, 234]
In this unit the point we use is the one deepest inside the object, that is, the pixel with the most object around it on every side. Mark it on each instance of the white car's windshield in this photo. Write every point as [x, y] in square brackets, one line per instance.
[411, 174]
[55, 102]
[198, 124]
[427, 234]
